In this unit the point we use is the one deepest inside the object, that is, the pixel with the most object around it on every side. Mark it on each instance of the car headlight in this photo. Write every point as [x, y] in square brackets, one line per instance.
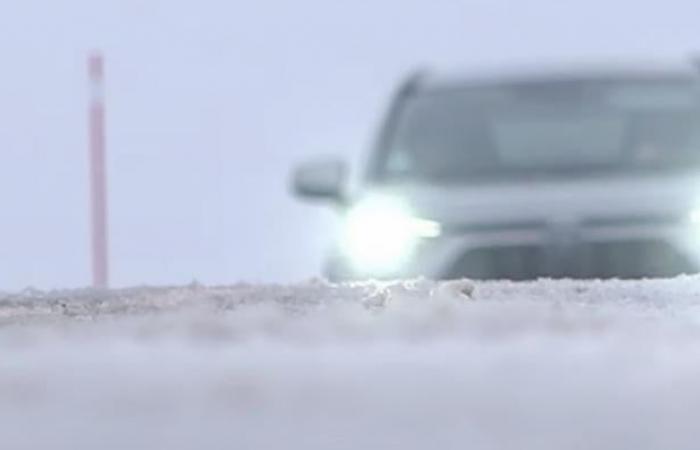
[380, 233]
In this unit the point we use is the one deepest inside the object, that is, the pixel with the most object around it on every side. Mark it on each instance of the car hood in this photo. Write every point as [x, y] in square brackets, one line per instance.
[623, 197]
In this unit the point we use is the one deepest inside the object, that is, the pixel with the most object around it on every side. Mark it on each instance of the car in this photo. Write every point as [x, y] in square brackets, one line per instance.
[588, 171]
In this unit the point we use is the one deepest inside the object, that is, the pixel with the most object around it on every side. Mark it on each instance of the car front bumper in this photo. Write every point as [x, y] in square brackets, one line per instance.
[634, 249]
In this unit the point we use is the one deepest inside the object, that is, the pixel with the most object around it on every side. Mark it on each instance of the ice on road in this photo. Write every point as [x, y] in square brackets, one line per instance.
[405, 365]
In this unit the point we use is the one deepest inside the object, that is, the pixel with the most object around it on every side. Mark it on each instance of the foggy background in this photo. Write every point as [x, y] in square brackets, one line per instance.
[210, 103]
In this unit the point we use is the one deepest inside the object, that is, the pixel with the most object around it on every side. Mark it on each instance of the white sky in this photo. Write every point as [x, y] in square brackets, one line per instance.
[211, 102]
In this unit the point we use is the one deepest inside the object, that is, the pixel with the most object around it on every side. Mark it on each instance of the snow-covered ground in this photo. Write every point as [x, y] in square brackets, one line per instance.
[413, 365]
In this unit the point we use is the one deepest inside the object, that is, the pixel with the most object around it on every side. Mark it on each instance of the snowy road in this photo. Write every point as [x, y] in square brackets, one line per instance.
[542, 365]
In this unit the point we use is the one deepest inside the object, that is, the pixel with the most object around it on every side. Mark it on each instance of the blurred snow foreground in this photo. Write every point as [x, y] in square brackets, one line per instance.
[406, 365]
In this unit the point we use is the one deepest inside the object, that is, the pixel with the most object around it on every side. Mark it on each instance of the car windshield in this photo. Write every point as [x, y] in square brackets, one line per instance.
[537, 129]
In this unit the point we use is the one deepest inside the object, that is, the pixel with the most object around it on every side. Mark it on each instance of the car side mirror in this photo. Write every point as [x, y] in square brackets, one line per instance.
[320, 180]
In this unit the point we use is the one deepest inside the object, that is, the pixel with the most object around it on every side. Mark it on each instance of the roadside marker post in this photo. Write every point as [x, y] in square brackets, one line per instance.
[98, 173]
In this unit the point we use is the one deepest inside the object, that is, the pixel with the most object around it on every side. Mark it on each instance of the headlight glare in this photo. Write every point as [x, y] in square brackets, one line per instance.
[380, 233]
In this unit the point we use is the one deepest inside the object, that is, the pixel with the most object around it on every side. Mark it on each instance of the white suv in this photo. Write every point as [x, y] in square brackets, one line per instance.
[582, 173]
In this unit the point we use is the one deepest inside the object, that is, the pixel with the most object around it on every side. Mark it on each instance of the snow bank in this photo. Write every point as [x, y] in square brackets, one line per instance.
[412, 365]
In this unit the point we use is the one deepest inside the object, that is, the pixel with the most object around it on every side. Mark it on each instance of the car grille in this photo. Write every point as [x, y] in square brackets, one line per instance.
[621, 259]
